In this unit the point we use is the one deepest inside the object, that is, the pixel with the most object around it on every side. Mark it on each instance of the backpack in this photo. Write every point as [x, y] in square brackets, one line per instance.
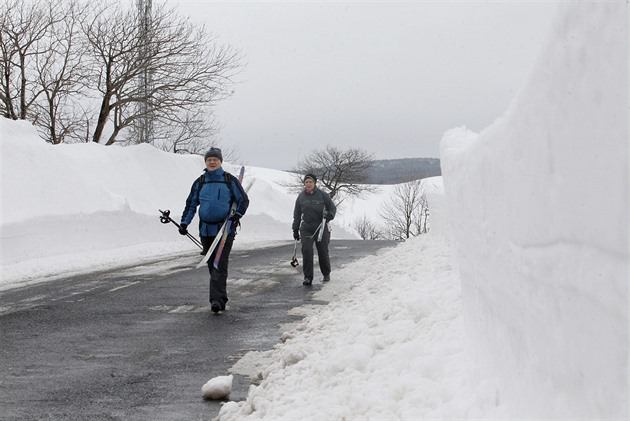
[228, 182]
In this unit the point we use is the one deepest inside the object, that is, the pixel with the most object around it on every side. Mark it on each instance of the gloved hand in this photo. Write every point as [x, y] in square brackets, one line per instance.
[183, 229]
[296, 235]
[329, 218]
[235, 218]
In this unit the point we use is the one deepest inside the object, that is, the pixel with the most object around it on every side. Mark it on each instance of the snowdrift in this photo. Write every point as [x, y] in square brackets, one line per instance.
[539, 213]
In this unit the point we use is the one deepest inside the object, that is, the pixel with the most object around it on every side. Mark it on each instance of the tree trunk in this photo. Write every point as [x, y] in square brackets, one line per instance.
[102, 119]
[23, 88]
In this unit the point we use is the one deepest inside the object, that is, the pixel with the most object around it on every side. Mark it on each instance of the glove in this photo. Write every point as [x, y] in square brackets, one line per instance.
[182, 229]
[329, 218]
[235, 218]
[296, 235]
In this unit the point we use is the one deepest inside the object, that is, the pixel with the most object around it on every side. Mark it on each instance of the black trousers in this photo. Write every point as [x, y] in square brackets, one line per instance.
[309, 240]
[218, 277]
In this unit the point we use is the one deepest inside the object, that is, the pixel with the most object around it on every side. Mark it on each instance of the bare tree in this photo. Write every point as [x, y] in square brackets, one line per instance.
[25, 25]
[186, 132]
[342, 172]
[401, 212]
[55, 75]
[421, 215]
[193, 133]
[61, 75]
[188, 69]
[426, 219]
[366, 229]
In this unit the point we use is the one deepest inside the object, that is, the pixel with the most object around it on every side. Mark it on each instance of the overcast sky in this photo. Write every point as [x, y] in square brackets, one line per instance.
[388, 77]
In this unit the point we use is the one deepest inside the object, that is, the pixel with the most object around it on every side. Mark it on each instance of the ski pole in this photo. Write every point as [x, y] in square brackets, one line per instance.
[294, 261]
[166, 218]
[322, 226]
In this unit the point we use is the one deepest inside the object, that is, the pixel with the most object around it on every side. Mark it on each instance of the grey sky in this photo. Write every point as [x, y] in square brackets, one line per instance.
[388, 77]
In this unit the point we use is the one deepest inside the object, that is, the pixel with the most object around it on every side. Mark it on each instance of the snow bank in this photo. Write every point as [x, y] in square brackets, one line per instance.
[66, 179]
[539, 207]
[389, 345]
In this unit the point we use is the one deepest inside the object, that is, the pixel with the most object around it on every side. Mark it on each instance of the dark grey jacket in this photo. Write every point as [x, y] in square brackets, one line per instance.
[308, 211]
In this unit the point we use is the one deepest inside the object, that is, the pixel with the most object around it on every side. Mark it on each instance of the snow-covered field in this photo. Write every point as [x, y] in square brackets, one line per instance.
[514, 306]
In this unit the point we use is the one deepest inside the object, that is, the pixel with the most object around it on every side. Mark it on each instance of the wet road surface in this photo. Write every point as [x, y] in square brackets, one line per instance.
[138, 343]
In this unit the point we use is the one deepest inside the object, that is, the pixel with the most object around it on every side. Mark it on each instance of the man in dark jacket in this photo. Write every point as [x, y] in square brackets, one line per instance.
[214, 195]
[311, 207]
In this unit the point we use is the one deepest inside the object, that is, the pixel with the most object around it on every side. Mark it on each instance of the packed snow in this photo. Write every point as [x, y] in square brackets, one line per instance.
[218, 387]
[541, 197]
[513, 306]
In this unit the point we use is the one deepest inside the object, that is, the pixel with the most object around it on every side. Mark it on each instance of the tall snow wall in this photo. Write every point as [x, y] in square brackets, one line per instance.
[538, 208]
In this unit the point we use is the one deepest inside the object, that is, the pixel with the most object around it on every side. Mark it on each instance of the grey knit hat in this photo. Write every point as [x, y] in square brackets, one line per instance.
[311, 176]
[215, 152]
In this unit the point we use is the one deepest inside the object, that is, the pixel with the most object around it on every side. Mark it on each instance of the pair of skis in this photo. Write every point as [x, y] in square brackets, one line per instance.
[224, 231]
[322, 226]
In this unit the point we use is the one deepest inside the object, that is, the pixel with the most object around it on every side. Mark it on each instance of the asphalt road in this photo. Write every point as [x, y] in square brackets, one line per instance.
[138, 343]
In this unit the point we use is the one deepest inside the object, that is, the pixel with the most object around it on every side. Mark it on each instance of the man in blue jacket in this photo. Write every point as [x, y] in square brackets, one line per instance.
[214, 193]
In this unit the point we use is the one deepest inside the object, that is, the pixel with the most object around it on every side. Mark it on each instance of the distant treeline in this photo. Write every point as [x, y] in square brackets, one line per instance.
[395, 171]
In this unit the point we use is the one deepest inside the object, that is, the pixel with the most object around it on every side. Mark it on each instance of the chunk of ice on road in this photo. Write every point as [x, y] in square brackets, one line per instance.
[218, 387]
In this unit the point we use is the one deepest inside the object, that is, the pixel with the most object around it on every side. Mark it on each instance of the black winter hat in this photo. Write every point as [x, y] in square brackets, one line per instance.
[215, 152]
[311, 176]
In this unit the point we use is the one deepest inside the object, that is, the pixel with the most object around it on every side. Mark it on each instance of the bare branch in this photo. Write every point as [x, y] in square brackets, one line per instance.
[25, 26]
[188, 70]
[61, 75]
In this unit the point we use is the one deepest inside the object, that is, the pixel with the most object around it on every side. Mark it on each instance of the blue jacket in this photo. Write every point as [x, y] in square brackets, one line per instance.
[214, 201]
